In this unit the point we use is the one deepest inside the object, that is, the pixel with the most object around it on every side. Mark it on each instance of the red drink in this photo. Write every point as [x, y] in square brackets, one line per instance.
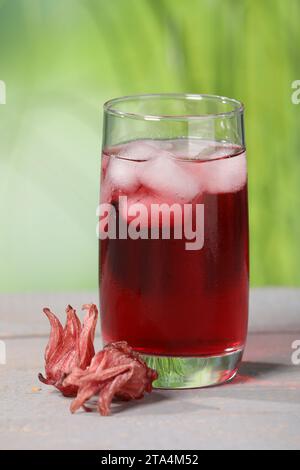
[157, 295]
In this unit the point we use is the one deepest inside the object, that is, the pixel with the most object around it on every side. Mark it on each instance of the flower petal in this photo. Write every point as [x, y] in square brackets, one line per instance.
[69, 347]
[117, 371]
[56, 334]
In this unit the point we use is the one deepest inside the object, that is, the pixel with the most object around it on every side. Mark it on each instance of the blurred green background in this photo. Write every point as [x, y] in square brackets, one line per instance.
[61, 59]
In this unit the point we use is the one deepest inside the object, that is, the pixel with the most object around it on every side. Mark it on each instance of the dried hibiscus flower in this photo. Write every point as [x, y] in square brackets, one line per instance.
[116, 371]
[69, 347]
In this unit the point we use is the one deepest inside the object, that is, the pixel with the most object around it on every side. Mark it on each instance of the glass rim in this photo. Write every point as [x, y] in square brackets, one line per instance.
[238, 106]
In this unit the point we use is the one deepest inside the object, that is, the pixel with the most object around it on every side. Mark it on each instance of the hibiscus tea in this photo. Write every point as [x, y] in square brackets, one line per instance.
[180, 301]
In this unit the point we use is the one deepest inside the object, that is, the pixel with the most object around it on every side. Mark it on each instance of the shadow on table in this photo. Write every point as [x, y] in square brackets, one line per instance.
[252, 370]
[260, 381]
[257, 381]
[163, 402]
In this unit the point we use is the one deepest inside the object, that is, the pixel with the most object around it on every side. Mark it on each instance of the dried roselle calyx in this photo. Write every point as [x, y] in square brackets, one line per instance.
[115, 372]
[69, 347]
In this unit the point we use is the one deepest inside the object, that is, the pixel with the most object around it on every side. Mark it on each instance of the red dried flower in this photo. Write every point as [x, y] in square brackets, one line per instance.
[117, 371]
[69, 347]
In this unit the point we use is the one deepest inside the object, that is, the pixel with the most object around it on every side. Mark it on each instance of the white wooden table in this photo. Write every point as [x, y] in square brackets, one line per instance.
[260, 409]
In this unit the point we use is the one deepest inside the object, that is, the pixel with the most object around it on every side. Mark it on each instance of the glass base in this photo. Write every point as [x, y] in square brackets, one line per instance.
[194, 372]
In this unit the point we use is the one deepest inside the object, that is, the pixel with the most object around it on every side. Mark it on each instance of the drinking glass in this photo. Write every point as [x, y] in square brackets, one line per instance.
[173, 234]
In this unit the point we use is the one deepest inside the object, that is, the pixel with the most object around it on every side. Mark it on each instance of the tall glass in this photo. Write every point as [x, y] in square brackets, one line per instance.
[173, 230]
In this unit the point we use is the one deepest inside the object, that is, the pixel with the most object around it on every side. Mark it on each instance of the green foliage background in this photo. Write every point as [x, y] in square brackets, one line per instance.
[61, 59]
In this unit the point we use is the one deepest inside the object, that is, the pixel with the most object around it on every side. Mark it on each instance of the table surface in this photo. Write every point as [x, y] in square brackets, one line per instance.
[260, 409]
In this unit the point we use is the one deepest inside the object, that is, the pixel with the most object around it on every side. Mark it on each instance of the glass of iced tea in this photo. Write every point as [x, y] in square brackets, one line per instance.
[173, 234]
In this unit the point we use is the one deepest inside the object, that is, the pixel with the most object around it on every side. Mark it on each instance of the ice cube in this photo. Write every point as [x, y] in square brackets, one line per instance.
[105, 187]
[105, 191]
[122, 174]
[138, 150]
[167, 178]
[199, 149]
[225, 175]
